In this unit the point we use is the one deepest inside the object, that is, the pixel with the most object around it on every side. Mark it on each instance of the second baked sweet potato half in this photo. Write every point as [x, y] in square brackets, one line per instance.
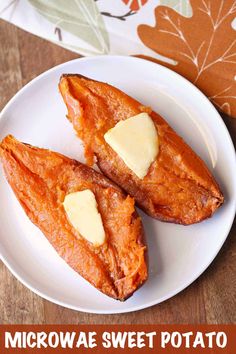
[178, 187]
[47, 184]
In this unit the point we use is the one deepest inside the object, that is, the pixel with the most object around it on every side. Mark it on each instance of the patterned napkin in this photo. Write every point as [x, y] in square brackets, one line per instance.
[196, 38]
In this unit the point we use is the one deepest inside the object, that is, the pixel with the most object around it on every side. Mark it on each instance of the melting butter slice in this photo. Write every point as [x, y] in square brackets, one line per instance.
[82, 212]
[135, 140]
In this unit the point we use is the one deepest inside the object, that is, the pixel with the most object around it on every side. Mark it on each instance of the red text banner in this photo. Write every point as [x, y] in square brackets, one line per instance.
[180, 339]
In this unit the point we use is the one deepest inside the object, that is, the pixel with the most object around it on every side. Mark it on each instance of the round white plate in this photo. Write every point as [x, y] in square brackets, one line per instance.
[177, 254]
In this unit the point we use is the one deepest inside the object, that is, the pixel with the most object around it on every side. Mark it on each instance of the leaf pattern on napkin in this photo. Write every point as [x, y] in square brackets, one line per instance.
[181, 6]
[204, 47]
[135, 5]
[79, 17]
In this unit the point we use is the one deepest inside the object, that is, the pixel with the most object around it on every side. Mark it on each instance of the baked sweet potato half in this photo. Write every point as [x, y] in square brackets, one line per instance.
[41, 179]
[178, 187]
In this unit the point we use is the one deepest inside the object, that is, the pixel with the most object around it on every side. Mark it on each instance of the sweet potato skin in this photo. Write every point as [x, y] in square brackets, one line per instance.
[40, 180]
[178, 187]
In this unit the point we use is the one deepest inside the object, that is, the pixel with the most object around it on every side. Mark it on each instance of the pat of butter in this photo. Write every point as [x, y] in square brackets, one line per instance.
[82, 212]
[135, 140]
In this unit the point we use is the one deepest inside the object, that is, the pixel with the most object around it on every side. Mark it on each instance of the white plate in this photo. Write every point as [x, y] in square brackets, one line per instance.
[177, 254]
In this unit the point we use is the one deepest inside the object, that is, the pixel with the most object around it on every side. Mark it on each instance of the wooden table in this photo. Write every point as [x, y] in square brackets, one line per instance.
[210, 299]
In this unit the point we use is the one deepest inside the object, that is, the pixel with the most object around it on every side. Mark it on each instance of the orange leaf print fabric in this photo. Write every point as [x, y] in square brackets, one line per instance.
[204, 47]
[135, 5]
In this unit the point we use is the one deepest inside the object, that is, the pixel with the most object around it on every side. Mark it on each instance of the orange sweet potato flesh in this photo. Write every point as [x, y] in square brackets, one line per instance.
[178, 186]
[41, 178]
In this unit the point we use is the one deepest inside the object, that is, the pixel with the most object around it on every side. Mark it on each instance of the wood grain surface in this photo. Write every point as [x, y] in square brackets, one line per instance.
[210, 299]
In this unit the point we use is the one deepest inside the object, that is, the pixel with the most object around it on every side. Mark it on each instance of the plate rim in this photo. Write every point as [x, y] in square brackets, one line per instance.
[185, 284]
